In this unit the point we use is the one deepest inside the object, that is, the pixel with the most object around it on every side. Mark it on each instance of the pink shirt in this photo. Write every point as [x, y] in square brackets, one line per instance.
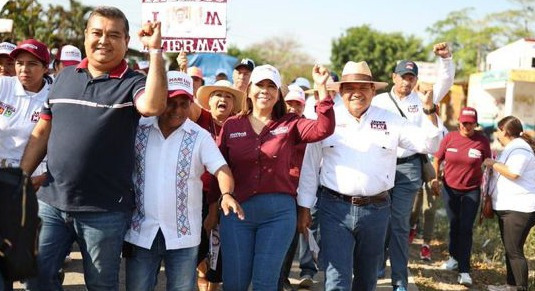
[463, 157]
[262, 163]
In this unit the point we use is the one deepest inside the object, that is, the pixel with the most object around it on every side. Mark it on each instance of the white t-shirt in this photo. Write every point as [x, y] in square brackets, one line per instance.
[167, 179]
[519, 194]
[19, 112]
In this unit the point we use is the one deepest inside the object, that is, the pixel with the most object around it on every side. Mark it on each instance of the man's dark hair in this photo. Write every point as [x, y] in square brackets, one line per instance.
[110, 12]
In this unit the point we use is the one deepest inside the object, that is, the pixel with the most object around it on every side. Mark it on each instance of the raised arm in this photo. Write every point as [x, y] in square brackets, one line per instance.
[316, 130]
[153, 101]
[446, 71]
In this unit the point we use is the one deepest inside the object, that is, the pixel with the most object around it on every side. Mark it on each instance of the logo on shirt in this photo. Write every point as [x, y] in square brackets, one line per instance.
[6, 109]
[238, 134]
[35, 116]
[378, 124]
[453, 150]
[279, 130]
[473, 153]
[412, 108]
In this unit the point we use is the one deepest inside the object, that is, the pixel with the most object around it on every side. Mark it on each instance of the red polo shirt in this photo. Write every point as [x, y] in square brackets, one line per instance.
[463, 157]
[262, 163]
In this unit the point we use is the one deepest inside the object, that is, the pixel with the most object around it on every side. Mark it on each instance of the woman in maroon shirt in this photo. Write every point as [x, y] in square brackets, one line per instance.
[258, 144]
[463, 152]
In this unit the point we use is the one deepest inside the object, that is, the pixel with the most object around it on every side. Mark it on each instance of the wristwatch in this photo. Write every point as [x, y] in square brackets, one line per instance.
[430, 111]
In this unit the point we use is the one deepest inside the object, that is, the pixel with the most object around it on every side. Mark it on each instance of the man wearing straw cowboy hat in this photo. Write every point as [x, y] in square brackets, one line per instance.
[354, 168]
[404, 101]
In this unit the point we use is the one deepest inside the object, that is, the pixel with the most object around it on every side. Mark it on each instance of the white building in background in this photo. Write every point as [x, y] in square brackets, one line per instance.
[507, 87]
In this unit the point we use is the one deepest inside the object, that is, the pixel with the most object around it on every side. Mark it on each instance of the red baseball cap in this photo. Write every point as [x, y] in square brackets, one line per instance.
[468, 114]
[34, 47]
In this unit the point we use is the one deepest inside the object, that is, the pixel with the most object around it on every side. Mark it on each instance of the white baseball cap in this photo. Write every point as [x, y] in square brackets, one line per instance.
[266, 72]
[179, 83]
[295, 93]
[6, 48]
[69, 55]
[302, 82]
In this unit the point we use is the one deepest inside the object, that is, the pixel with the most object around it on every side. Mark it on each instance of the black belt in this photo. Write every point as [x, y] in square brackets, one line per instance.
[359, 200]
[406, 159]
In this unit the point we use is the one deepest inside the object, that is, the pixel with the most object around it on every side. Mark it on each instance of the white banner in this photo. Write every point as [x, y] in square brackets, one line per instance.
[189, 25]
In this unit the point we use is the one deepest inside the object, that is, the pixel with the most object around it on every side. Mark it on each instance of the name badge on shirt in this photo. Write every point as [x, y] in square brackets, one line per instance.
[453, 150]
[412, 108]
[473, 153]
[237, 134]
[378, 124]
[6, 109]
[279, 130]
[35, 117]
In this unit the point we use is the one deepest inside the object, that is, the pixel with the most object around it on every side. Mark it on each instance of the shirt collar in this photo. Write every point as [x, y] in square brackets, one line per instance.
[187, 126]
[117, 72]
[19, 89]
[398, 98]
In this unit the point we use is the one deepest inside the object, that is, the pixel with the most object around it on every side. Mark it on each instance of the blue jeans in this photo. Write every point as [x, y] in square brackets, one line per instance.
[100, 237]
[408, 182]
[352, 239]
[143, 265]
[461, 207]
[255, 248]
[306, 261]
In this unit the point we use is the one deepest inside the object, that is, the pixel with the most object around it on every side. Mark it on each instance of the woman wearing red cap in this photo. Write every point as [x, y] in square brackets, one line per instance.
[463, 152]
[21, 99]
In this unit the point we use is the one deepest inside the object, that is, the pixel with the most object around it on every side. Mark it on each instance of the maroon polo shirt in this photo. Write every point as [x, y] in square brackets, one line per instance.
[207, 122]
[262, 163]
[463, 157]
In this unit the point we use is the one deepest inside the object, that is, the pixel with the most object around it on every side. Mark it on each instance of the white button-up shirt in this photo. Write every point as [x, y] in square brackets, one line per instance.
[412, 105]
[360, 157]
[167, 179]
[19, 112]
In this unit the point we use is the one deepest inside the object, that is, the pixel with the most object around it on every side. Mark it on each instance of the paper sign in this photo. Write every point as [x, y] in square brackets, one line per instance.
[6, 25]
[189, 25]
[214, 248]
[313, 245]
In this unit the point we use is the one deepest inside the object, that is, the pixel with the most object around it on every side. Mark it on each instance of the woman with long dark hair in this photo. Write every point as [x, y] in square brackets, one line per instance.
[259, 145]
[512, 187]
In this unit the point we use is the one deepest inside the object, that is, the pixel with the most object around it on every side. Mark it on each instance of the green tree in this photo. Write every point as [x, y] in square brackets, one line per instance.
[55, 26]
[470, 39]
[284, 53]
[380, 50]
[67, 26]
[26, 16]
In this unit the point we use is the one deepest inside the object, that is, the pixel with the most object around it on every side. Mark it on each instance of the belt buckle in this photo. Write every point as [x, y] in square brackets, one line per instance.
[359, 201]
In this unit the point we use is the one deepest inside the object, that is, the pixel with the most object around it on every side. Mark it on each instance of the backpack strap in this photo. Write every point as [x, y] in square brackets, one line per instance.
[397, 106]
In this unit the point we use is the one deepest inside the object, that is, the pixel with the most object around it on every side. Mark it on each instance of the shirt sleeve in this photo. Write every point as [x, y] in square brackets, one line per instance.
[316, 130]
[211, 157]
[441, 152]
[518, 160]
[446, 75]
[423, 139]
[309, 178]
[139, 88]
